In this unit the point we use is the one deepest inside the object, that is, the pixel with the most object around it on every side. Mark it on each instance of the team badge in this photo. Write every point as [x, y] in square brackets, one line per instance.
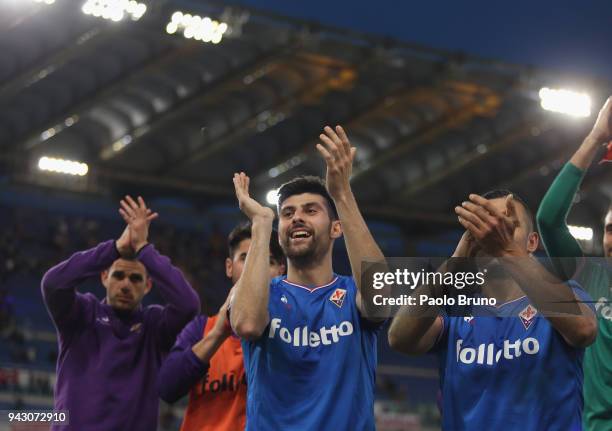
[527, 315]
[338, 297]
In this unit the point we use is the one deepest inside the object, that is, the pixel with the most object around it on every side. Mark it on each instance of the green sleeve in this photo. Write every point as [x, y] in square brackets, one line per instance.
[552, 215]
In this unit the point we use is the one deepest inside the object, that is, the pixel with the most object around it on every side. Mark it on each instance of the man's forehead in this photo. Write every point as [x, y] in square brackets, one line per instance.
[303, 199]
[608, 219]
[128, 266]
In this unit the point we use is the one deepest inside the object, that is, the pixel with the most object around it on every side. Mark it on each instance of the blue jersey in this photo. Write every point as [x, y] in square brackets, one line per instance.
[509, 373]
[314, 366]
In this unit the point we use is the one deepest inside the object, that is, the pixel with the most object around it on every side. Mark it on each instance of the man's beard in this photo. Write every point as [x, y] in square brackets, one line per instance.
[304, 257]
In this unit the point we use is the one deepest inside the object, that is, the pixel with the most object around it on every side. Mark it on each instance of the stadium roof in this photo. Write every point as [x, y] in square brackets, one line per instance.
[175, 115]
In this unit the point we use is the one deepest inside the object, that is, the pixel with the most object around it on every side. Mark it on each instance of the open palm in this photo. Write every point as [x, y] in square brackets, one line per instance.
[249, 206]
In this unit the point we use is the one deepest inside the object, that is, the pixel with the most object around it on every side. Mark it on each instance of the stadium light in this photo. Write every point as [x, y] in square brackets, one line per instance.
[287, 165]
[62, 166]
[565, 102]
[195, 27]
[581, 233]
[272, 197]
[121, 143]
[114, 10]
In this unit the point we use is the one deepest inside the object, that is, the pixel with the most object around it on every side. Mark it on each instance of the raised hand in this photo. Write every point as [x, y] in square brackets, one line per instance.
[123, 243]
[338, 154]
[602, 129]
[138, 217]
[249, 206]
[222, 325]
[465, 247]
[492, 230]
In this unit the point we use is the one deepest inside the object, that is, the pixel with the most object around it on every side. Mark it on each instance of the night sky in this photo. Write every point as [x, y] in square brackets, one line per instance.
[569, 36]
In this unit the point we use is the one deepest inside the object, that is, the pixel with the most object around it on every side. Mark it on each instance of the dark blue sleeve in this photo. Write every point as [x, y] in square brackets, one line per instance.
[182, 368]
[441, 341]
[365, 323]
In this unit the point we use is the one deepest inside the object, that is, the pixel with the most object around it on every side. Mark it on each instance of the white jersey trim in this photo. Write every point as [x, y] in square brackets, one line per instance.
[314, 288]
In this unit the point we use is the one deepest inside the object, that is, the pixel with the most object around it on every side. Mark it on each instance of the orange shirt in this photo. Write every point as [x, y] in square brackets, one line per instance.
[218, 401]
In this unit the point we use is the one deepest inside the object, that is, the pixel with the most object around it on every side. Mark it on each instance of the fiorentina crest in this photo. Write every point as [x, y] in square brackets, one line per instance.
[527, 315]
[338, 297]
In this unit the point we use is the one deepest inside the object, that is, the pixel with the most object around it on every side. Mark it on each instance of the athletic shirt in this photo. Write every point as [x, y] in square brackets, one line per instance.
[218, 402]
[509, 373]
[595, 279]
[314, 366]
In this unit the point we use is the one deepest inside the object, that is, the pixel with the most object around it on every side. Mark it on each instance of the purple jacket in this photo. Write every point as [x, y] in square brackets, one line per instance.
[182, 369]
[107, 366]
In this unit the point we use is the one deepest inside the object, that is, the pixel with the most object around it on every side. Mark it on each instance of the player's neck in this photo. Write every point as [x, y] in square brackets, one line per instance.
[503, 290]
[318, 275]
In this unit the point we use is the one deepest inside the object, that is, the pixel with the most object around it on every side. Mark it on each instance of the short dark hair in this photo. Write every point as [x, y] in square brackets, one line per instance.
[243, 231]
[307, 184]
[502, 193]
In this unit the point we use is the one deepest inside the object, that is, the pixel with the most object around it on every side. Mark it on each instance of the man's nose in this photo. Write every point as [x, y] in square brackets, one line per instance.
[297, 218]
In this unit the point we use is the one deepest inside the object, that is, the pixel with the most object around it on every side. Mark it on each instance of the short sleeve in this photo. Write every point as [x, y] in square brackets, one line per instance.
[440, 343]
[582, 295]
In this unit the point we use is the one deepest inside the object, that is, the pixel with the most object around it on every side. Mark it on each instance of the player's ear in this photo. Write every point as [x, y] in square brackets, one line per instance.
[104, 277]
[533, 240]
[336, 229]
[229, 267]
[148, 285]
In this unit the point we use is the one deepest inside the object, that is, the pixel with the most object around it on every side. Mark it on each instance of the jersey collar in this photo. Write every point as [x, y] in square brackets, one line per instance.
[311, 289]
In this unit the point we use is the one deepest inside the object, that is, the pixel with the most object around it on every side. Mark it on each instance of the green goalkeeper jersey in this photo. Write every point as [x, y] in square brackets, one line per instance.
[593, 274]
